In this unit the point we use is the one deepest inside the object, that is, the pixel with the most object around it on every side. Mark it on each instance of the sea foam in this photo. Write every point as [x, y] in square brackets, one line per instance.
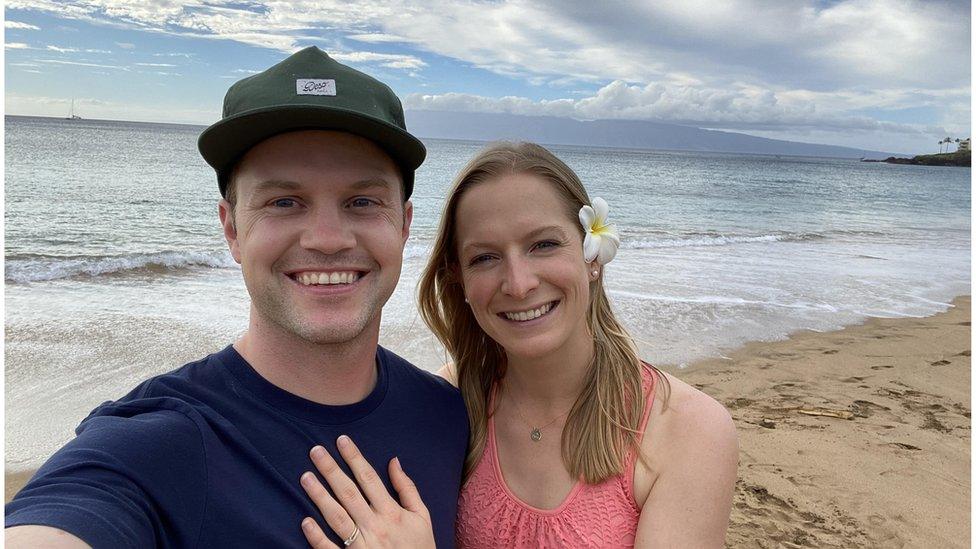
[26, 268]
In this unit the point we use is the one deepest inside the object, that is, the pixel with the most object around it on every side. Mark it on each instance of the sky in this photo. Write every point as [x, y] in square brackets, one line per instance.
[891, 75]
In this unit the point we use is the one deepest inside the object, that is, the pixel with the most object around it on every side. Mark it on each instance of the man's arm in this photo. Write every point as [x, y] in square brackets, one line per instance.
[124, 481]
[32, 536]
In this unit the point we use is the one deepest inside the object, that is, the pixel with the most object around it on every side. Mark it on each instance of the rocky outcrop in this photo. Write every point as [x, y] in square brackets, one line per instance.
[958, 158]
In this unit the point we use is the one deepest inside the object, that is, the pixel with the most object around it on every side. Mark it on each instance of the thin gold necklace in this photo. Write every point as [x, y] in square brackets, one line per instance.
[536, 432]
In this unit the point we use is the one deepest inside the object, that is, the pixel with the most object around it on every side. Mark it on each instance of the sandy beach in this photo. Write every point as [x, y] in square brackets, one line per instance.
[857, 437]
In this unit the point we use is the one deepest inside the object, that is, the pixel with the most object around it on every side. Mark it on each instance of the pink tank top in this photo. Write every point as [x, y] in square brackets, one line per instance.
[602, 515]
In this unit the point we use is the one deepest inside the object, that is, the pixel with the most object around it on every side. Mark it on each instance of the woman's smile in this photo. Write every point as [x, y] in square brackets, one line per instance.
[525, 316]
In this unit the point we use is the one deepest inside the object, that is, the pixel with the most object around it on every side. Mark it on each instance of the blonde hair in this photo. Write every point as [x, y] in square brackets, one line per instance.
[604, 422]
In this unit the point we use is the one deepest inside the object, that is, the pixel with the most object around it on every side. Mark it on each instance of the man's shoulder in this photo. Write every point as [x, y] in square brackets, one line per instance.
[400, 366]
[163, 401]
[192, 377]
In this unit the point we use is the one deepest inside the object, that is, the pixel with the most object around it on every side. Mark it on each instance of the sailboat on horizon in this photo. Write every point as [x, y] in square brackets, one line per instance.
[71, 112]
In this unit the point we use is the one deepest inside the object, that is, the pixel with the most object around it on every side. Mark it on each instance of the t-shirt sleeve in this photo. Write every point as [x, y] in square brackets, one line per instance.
[129, 480]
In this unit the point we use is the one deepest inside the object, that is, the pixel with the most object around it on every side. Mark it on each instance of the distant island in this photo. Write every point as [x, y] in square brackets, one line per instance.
[618, 134]
[958, 158]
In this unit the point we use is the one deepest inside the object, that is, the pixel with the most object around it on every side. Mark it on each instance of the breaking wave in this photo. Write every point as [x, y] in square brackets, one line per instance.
[25, 268]
[692, 241]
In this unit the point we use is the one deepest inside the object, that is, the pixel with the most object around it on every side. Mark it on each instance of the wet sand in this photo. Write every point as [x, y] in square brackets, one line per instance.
[13, 482]
[858, 437]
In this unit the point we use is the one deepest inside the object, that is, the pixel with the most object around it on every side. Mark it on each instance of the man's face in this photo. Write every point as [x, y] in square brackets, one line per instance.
[318, 227]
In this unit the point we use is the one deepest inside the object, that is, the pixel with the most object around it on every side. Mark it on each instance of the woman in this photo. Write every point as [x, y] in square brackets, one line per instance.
[574, 441]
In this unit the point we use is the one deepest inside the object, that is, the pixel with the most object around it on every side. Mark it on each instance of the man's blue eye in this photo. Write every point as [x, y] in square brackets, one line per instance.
[547, 244]
[284, 203]
[362, 203]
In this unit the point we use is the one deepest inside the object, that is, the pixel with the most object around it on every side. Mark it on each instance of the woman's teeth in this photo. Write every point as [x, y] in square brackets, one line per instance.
[522, 316]
[309, 279]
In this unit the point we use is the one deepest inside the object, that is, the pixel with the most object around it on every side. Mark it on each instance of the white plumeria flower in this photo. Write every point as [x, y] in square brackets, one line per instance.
[601, 240]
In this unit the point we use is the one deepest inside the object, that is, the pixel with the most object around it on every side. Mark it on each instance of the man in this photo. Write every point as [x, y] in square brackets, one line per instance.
[316, 168]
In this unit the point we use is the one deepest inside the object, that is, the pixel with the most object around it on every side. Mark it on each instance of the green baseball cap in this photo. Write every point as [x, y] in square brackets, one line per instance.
[309, 91]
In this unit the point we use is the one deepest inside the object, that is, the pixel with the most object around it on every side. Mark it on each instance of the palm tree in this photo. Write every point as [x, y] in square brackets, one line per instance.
[948, 140]
[941, 141]
[957, 144]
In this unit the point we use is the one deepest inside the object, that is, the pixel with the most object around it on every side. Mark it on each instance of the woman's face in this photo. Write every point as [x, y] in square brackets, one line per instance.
[521, 264]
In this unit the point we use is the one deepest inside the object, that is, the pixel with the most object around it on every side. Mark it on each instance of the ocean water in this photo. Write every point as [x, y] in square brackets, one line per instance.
[116, 270]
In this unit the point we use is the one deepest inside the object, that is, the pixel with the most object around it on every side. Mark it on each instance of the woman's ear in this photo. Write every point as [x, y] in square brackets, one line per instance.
[594, 270]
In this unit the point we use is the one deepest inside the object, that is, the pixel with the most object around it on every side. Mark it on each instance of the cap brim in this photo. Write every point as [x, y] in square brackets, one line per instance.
[223, 143]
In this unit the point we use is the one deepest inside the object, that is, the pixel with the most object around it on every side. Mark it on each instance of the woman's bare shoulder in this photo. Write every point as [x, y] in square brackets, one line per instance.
[693, 453]
[447, 372]
[688, 416]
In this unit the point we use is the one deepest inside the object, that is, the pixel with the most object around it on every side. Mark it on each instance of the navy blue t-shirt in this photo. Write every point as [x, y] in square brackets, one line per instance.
[210, 455]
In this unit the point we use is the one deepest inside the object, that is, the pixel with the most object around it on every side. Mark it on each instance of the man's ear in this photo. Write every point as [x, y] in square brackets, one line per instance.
[226, 210]
[407, 219]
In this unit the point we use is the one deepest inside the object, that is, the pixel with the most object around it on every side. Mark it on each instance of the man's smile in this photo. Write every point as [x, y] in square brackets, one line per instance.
[322, 278]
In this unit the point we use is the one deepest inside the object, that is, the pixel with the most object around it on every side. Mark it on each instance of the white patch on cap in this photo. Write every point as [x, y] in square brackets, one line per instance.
[315, 86]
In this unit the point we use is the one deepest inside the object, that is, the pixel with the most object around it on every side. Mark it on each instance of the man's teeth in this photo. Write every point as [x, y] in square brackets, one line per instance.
[529, 315]
[309, 279]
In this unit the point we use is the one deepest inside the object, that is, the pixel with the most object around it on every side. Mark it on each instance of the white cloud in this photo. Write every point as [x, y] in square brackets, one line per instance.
[876, 43]
[155, 64]
[126, 45]
[376, 38]
[19, 25]
[740, 109]
[394, 61]
[16, 46]
[73, 50]
[81, 64]
[750, 63]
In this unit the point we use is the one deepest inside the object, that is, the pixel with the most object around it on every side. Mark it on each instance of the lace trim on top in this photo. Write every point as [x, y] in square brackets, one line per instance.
[591, 515]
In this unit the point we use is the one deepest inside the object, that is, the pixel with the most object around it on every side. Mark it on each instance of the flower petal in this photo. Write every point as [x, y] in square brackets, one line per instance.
[591, 246]
[602, 210]
[608, 250]
[586, 217]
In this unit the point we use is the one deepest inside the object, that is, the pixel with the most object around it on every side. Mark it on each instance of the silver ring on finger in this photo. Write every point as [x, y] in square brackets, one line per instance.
[352, 538]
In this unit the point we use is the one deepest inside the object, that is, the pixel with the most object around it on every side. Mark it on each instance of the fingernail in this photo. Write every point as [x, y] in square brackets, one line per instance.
[307, 523]
[318, 451]
[306, 479]
[343, 441]
[399, 467]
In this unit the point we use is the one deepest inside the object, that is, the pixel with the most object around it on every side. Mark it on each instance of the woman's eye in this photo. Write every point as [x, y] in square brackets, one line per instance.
[545, 244]
[480, 259]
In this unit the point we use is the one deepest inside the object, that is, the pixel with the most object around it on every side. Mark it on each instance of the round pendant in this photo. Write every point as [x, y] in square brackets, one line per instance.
[536, 434]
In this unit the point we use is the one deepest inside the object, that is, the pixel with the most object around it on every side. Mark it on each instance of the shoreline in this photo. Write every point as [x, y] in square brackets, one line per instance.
[858, 436]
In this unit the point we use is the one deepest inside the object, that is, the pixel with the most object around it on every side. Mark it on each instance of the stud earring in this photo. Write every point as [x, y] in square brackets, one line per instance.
[595, 272]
